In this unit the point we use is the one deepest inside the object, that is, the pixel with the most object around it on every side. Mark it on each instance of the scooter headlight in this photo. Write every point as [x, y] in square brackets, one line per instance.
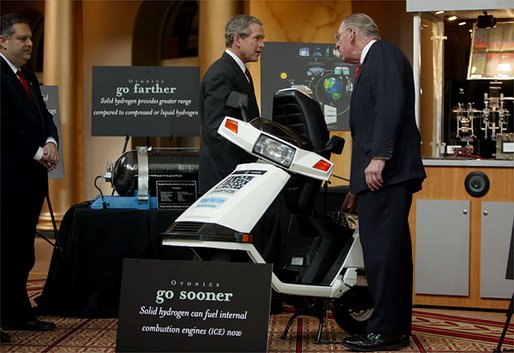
[274, 150]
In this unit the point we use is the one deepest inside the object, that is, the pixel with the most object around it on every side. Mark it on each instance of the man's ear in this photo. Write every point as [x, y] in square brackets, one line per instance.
[353, 36]
[3, 42]
[237, 40]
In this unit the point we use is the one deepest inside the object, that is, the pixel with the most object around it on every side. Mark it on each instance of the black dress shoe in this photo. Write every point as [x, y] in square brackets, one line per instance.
[5, 337]
[372, 342]
[31, 325]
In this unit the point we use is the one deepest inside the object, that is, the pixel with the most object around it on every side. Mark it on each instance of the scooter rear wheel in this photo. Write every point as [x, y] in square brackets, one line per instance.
[353, 310]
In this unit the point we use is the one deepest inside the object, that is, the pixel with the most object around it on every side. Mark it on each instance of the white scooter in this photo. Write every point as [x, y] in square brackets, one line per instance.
[334, 277]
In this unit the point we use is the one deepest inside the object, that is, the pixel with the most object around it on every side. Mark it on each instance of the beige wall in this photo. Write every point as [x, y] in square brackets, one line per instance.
[108, 27]
[396, 25]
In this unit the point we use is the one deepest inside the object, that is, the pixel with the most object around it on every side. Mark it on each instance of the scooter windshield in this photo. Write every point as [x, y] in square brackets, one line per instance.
[283, 132]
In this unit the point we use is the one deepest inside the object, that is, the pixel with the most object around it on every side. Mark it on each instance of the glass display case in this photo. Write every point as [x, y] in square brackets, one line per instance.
[465, 73]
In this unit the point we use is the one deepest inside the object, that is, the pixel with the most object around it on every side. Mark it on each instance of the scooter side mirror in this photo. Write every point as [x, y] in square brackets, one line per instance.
[335, 145]
[238, 100]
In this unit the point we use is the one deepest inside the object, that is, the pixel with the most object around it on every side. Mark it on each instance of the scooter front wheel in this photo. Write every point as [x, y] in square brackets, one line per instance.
[353, 310]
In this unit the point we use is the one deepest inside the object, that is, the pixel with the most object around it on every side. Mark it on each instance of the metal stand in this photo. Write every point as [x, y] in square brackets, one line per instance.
[505, 328]
[57, 243]
[316, 308]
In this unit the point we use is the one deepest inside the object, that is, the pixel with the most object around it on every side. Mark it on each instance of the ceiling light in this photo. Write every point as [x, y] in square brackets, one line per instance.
[439, 12]
[452, 18]
[462, 23]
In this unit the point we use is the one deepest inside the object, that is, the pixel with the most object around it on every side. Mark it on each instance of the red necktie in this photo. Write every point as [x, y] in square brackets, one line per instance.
[357, 71]
[247, 72]
[23, 81]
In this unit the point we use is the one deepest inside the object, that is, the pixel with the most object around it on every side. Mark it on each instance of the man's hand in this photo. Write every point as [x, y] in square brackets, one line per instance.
[349, 204]
[373, 174]
[50, 156]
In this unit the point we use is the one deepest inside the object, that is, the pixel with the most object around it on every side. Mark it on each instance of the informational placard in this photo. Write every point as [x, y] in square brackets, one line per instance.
[175, 195]
[51, 98]
[316, 69]
[193, 306]
[145, 101]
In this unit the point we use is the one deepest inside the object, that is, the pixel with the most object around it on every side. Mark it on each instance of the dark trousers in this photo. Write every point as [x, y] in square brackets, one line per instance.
[19, 217]
[386, 243]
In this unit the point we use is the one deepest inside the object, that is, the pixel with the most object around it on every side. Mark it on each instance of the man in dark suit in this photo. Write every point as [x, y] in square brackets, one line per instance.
[29, 151]
[244, 39]
[386, 169]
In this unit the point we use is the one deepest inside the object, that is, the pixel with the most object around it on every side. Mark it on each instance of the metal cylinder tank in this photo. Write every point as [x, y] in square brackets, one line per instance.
[140, 169]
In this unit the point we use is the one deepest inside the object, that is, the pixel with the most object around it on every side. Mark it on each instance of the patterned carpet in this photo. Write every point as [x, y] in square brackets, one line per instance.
[434, 330]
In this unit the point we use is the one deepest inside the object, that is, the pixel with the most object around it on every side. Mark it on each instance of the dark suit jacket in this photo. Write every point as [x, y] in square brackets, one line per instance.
[25, 126]
[219, 157]
[382, 118]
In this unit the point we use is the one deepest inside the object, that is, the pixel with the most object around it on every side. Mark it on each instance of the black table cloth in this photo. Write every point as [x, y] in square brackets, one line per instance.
[85, 270]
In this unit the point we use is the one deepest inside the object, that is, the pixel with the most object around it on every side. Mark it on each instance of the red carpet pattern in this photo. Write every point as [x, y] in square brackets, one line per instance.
[434, 330]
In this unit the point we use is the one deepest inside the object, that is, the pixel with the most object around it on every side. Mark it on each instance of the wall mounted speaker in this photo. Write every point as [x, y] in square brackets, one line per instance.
[476, 183]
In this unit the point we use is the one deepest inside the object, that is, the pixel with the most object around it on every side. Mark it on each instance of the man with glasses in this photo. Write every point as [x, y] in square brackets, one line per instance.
[386, 170]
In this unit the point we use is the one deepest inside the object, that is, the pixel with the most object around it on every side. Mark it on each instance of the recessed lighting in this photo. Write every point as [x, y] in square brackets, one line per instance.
[452, 18]
[439, 12]
[462, 23]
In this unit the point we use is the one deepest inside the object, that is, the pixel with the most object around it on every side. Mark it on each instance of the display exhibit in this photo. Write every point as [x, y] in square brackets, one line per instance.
[335, 273]
[468, 101]
[480, 118]
[482, 105]
[152, 178]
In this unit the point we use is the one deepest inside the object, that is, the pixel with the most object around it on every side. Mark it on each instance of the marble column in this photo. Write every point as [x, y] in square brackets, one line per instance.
[213, 17]
[63, 68]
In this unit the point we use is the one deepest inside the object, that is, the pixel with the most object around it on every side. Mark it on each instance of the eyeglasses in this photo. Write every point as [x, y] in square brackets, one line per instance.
[337, 36]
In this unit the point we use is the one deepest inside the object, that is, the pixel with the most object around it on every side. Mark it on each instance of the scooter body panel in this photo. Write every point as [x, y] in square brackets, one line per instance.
[337, 288]
[250, 187]
[245, 135]
[355, 258]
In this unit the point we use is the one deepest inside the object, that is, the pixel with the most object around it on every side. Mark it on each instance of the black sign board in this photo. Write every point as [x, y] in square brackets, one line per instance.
[145, 101]
[313, 67]
[176, 195]
[193, 306]
[51, 98]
